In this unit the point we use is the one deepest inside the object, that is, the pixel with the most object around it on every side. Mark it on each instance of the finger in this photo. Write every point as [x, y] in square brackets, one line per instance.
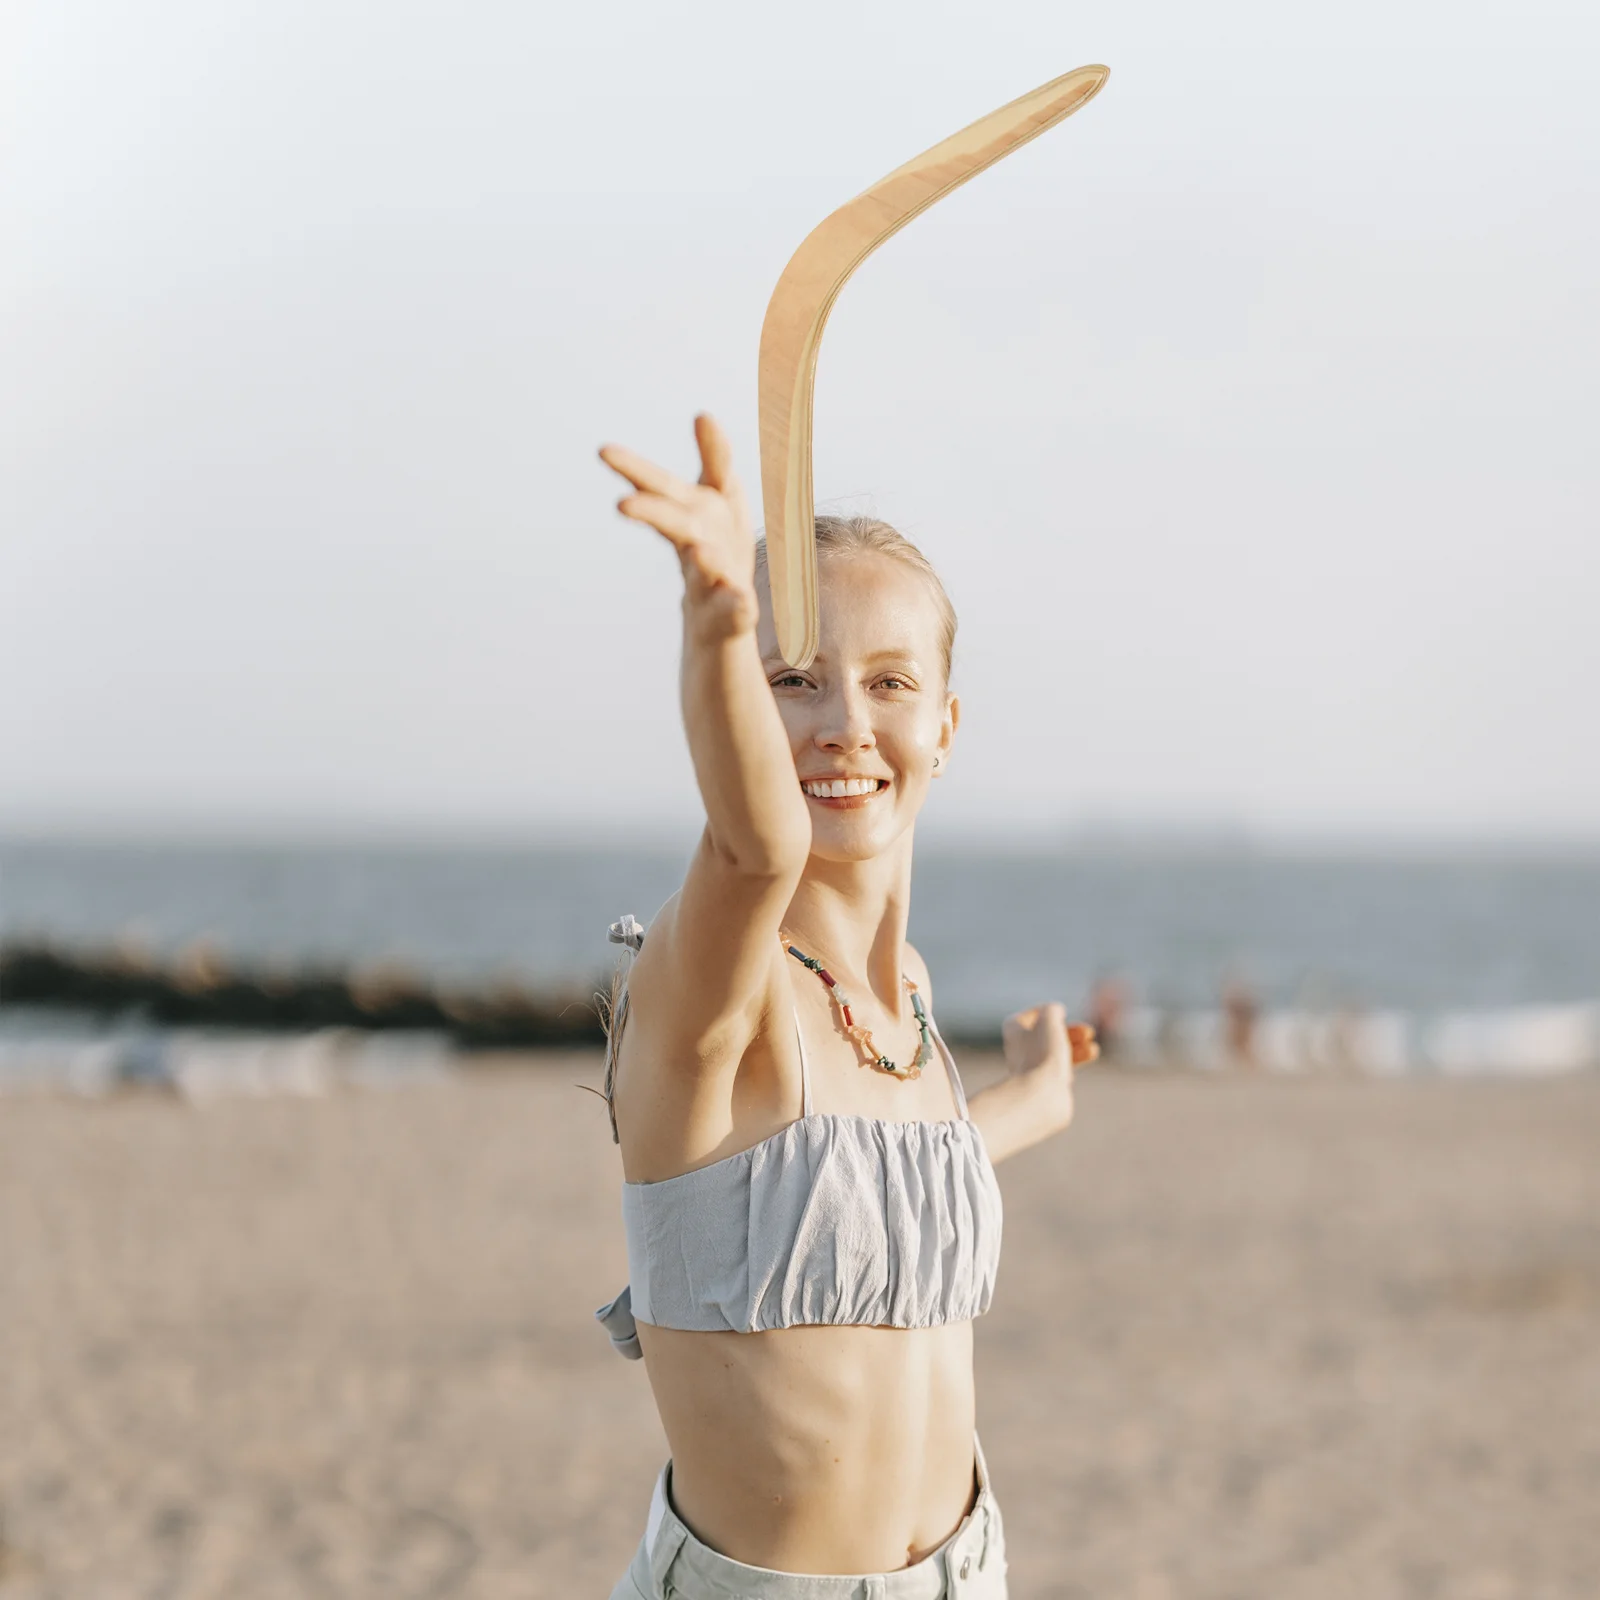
[716, 453]
[1080, 1032]
[733, 493]
[643, 473]
[667, 517]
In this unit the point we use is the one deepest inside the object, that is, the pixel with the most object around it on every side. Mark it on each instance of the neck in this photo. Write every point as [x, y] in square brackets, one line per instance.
[852, 916]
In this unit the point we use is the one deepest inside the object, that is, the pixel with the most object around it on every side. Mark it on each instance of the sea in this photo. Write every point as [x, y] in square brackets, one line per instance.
[1421, 942]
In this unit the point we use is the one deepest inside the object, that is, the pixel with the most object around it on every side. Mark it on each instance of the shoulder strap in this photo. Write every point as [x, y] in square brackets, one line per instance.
[950, 1071]
[628, 931]
[805, 1069]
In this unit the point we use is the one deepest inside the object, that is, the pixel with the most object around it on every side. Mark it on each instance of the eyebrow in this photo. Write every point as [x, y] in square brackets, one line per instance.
[907, 657]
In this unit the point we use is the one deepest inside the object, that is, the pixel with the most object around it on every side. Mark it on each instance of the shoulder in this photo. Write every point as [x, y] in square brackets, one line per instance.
[665, 975]
[653, 936]
[636, 948]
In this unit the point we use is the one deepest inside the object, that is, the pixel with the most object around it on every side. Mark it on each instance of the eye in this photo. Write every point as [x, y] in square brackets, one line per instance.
[894, 681]
[788, 680]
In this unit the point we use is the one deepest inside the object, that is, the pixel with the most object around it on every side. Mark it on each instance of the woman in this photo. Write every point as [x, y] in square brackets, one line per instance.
[812, 1219]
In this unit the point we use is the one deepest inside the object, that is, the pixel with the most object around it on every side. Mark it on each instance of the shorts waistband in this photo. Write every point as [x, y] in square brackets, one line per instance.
[681, 1563]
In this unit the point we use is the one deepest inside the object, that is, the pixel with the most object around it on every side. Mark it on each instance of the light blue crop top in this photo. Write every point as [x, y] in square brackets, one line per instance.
[834, 1220]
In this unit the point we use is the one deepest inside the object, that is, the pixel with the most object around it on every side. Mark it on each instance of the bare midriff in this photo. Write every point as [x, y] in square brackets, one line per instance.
[818, 1449]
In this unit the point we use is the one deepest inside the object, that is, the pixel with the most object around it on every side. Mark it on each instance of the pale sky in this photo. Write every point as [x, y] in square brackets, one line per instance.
[1252, 415]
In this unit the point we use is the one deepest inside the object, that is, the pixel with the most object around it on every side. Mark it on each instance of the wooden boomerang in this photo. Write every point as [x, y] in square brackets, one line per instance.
[792, 332]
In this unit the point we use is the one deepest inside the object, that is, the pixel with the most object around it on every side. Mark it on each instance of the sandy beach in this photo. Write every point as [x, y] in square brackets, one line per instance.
[1308, 1338]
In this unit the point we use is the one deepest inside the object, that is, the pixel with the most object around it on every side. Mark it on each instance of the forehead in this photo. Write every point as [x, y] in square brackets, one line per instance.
[867, 603]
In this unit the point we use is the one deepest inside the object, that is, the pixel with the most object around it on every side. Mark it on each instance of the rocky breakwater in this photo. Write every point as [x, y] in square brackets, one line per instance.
[200, 988]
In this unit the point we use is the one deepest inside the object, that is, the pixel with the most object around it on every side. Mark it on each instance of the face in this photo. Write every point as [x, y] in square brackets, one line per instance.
[872, 711]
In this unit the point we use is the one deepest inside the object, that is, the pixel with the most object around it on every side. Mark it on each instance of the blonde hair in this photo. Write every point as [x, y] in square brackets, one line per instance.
[848, 536]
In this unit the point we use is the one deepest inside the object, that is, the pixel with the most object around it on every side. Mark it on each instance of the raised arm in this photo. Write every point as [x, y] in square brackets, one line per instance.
[705, 967]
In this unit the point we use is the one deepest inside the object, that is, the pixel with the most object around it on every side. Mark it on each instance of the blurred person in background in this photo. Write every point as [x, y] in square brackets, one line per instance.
[1240, 1012]
[1108, 1011]
[813, 1220]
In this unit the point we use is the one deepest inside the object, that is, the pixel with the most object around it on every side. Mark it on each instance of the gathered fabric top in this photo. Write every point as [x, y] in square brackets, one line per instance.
[832, 1220]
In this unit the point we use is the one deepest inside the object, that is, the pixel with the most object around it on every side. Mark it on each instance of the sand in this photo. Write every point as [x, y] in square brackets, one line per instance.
[1253, 1338]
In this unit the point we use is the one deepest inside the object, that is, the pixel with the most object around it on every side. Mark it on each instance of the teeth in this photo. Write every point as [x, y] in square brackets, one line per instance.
[838, 788]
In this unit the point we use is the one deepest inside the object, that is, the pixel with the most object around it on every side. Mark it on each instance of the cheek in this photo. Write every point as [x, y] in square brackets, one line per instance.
[916, 735]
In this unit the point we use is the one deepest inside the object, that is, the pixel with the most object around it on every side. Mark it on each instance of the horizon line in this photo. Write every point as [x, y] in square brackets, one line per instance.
[1201, 837]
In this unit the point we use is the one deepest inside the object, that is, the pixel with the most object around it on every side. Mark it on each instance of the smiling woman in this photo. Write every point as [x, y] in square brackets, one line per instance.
[813, 1221]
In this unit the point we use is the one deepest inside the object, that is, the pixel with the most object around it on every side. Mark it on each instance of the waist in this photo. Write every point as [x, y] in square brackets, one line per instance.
[818, 1449]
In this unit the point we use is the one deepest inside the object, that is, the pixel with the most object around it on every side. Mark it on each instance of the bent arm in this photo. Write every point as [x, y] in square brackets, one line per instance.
[1036, 1099]
[1023, 1109]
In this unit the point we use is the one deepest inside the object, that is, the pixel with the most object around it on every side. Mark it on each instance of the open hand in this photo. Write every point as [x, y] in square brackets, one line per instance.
[1042, 1035]
[707, 523]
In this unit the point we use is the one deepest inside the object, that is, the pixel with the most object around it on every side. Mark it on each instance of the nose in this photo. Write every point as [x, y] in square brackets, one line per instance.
[844, 721]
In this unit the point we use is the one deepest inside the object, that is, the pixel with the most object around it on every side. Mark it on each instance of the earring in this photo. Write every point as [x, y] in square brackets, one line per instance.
[936, 763]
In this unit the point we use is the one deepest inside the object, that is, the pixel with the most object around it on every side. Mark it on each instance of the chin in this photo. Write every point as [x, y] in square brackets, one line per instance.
[845, 839]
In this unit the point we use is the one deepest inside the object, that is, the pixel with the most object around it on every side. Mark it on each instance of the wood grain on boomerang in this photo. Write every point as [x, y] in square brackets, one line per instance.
[792, 331]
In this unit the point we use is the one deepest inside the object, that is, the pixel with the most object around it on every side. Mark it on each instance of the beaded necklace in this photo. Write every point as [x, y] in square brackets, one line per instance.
[859, 1035]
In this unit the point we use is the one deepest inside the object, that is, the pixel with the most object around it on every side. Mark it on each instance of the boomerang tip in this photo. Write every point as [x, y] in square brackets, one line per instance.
[1097, 73]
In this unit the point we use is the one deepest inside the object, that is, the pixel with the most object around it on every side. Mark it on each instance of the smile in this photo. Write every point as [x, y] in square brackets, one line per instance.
[842, 788]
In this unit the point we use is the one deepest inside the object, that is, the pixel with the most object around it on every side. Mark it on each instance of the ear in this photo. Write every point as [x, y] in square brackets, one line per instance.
[947, 733]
